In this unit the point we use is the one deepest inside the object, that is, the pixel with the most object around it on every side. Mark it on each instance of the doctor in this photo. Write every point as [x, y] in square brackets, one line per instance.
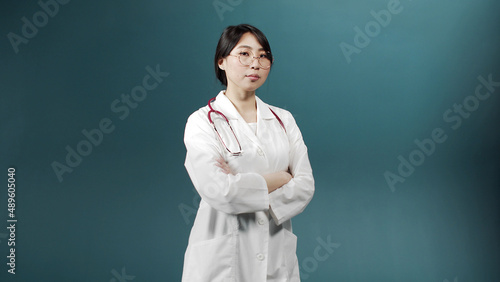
[248, 162]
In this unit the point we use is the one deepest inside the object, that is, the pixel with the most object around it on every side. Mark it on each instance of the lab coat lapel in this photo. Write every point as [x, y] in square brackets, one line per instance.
[224, 105]
[263, 112]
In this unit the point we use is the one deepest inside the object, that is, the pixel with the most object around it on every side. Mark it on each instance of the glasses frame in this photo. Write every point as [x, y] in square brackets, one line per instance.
[253, 59]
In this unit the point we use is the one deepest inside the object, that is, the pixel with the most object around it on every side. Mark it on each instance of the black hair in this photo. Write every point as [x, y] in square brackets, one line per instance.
[228, 40]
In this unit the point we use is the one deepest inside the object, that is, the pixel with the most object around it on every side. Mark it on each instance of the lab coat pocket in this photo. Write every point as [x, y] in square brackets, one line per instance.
[213, 260]
[289, 253]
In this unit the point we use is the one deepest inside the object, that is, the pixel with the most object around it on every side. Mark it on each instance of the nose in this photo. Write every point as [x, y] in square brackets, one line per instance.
[255, 63]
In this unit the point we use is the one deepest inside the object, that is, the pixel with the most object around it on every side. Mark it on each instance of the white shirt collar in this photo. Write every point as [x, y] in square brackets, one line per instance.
[225, 105]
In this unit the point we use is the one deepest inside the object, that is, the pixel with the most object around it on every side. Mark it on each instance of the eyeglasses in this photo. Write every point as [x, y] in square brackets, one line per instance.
[247, 57]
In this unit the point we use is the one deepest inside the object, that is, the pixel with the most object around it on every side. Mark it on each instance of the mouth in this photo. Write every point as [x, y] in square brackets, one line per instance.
[253, 76]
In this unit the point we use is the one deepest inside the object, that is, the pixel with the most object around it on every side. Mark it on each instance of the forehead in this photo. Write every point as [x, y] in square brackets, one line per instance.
[249, 41]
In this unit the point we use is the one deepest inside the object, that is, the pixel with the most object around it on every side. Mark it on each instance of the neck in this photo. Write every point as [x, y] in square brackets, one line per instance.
[244, 102]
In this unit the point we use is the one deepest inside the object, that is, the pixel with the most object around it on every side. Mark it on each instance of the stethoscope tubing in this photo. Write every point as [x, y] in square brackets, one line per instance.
[212, 111]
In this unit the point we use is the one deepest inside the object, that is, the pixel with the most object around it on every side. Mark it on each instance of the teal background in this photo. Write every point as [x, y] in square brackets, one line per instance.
[122, 208]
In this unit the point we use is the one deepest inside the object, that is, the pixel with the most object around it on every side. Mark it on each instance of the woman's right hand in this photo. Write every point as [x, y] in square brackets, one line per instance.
[277, 179]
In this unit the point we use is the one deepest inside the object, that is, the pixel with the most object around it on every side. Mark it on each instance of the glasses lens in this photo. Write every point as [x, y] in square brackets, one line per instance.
[265, 62]
[247, 58]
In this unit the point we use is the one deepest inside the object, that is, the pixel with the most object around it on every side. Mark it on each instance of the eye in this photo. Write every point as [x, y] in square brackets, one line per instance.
[244, 53]
[264, 56]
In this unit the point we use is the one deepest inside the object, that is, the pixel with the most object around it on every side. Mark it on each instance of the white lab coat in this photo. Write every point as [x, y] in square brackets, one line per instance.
[241, 232]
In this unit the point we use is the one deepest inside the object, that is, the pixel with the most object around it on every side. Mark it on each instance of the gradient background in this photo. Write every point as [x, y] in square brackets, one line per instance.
[120, 209]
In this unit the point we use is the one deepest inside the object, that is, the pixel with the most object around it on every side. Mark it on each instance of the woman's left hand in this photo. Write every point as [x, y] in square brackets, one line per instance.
[224, 166]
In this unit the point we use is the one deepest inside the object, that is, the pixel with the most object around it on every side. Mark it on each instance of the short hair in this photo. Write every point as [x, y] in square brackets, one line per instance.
[228, 40]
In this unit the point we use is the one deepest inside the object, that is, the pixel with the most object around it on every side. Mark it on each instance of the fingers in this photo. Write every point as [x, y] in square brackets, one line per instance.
[221, 163]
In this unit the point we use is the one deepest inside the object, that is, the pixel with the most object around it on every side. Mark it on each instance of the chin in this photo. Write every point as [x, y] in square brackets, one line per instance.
[252, 87]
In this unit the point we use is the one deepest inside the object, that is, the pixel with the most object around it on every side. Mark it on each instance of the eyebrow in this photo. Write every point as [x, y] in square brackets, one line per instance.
[246, 46]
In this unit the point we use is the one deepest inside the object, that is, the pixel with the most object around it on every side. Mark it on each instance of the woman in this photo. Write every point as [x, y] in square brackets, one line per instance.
[248, 162]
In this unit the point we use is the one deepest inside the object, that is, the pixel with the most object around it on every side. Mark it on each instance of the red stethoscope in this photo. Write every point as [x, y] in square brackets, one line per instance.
[212, 111]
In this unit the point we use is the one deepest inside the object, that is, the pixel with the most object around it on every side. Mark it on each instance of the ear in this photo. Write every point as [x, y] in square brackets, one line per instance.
[222, 64]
